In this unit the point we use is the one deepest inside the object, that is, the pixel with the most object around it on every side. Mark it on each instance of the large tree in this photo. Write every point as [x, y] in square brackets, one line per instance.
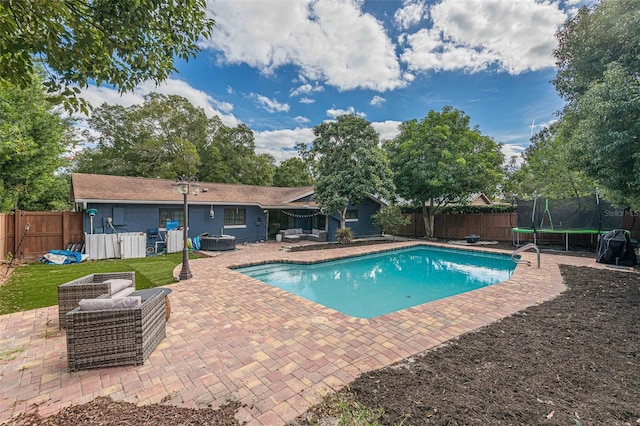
[440, 160]
[34, 139]
[292, 172]
[155, 139]
[547, 169]
[167, 136]
[348, 163]
[598, 62]
[230, 156]
[116, 42]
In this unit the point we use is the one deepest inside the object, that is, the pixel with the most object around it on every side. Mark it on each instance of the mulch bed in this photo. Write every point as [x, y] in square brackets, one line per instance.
[573, 360]
[104, 411]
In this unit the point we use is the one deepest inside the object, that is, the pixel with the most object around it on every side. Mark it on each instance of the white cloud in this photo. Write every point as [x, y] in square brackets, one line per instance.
[306, 100]
[306, 89]
[512, 150]
[281, 143]
[328, 40]
[301, 119]
[377, 100]
[515, 36]
[387, 129]
[409, 14]
[333, 112]
[270, 105]
[96, 96]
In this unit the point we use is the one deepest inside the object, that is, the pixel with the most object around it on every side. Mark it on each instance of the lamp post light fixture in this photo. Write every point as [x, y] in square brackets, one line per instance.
[182, 186]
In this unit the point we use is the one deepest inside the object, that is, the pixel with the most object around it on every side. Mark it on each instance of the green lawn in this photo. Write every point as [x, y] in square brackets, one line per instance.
[35, 285]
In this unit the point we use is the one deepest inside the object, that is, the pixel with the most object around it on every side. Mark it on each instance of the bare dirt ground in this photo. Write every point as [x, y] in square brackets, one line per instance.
[574, 360]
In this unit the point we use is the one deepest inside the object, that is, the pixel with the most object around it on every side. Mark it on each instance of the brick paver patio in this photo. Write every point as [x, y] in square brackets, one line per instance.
[233, 338]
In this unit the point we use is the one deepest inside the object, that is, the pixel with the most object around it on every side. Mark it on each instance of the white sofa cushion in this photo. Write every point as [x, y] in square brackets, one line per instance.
[123, 293]
[102, 304]
[118, 284]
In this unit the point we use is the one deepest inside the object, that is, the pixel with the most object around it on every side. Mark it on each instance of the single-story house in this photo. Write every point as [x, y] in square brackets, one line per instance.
[250, 213]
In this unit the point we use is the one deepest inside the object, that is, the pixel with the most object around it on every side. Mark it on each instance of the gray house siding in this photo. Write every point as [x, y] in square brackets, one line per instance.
[142, 218]
[364, 226]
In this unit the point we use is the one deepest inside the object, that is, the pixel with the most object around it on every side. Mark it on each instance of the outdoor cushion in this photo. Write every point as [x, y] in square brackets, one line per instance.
[315, 231]
[123, 293]
[102, 304]
[118, 284]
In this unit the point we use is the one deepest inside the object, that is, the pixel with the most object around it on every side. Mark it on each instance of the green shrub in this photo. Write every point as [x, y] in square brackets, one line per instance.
[344, 236]
[390, 219]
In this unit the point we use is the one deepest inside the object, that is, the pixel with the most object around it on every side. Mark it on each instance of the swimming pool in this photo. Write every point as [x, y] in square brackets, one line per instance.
[376, 284]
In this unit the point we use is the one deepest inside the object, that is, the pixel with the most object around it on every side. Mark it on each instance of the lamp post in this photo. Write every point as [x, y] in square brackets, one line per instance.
[182, 186]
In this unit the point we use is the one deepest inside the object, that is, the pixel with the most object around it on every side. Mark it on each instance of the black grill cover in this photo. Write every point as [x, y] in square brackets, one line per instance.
[614, 248]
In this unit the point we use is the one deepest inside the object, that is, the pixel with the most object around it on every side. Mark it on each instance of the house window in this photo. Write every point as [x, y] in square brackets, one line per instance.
[235, 217]
[171, 214]
[351, 216]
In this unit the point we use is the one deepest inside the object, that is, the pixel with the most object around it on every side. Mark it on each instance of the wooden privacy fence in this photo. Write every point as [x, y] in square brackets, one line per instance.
[489, 226]
[494, 226]
[46, 231]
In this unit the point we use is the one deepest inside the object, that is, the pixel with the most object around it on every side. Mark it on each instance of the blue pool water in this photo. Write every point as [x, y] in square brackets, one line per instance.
[376, 284]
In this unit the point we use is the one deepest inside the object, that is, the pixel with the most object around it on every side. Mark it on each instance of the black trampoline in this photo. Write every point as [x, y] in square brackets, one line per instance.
[583, 215]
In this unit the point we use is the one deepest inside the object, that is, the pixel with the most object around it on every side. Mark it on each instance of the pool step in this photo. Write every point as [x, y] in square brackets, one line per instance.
[260, 270]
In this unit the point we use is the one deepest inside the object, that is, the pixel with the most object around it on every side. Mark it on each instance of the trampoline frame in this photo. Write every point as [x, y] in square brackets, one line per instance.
[535, 230]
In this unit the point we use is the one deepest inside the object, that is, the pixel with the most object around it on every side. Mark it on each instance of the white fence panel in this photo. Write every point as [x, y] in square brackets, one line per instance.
[114, 246]
[174, 241]
[111, 246]
[133, 245]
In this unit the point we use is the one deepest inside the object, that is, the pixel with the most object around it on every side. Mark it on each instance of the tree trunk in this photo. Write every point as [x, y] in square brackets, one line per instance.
[428, 215]
[343, 218]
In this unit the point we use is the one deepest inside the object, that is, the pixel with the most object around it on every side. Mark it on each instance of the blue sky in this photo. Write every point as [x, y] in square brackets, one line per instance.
[283, 67]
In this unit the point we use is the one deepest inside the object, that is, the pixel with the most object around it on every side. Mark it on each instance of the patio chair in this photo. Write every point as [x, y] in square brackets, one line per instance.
[100, 337]
[89, 287]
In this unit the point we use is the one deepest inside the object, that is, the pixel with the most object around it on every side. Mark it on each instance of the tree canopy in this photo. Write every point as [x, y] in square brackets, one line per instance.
[116, 42]
[348, 164]
[440, 160]
[548, 169]
[598, 62]
[33, 142]
[292, 172]
[167, 136]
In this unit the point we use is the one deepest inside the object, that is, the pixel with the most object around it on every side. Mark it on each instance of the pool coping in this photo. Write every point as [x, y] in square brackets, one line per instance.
[276, 353]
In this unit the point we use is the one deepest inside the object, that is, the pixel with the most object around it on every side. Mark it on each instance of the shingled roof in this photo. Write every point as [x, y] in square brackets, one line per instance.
[89, 188]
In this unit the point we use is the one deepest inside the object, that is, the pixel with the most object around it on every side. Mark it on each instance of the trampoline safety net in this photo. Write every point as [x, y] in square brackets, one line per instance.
[571, 214]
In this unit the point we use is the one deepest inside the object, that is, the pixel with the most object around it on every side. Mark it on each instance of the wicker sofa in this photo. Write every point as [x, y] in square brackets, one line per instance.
[89, 287]
[112, 337]
[296, 234]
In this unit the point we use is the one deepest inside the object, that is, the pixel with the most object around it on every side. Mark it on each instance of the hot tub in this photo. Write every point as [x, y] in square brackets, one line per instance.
[217, 242]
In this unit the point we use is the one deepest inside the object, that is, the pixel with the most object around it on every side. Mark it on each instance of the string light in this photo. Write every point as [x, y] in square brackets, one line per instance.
[301, 216]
